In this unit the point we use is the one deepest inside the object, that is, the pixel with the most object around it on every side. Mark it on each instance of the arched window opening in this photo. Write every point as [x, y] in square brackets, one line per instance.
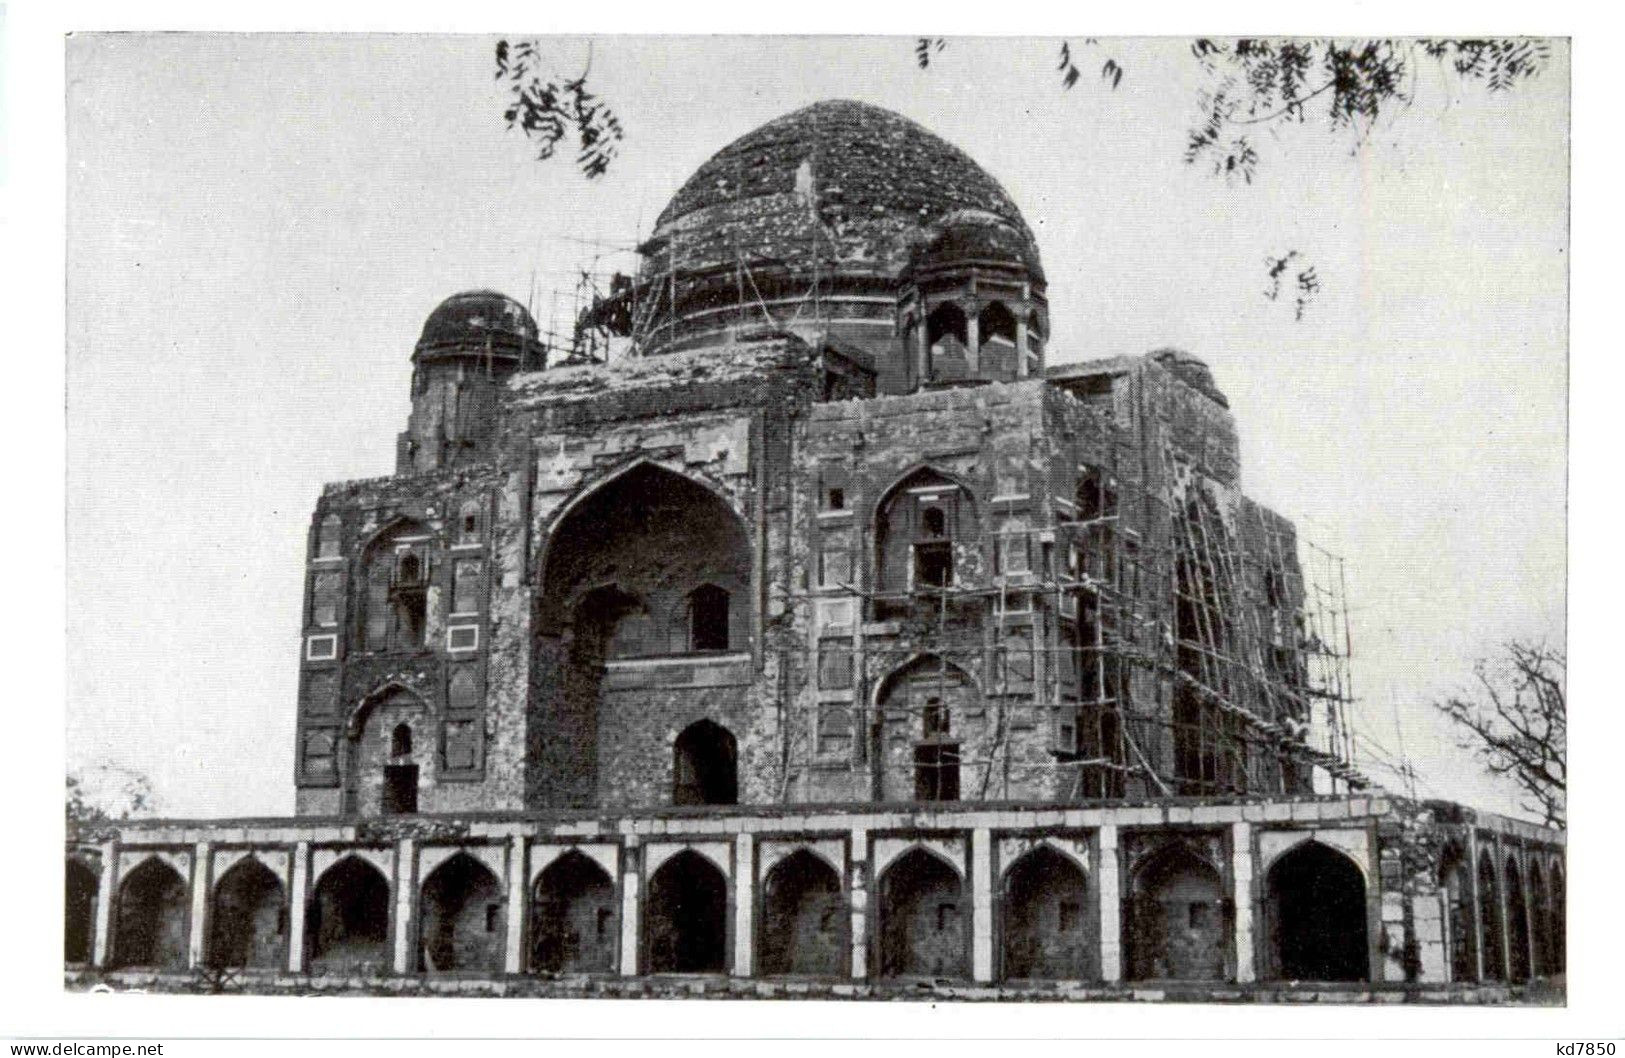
[1455, 882]
[611, 623]
[464, 919]
[936, 755]
[1178, 919]
[1048, 932]
[1317, 916]
[1540, 922]
[1560, 917]
[153, 916]
[687, 917]
[400, 789]
[916, 526]
[996, 330]
[378, 777]
[396, 617]
[804, 919]
[468, 523]
[575, 918]
[1489, 921]
[80, 889]
[348, 925]
[706, 766]
[925, 710]
[708, 618]
[923, 920]
[249, 924]
[1517, 926]
[947, 335]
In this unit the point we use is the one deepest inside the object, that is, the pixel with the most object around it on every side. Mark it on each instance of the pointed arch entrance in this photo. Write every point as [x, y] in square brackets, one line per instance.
[1517, 925]
[924, 920]
[80, 887]
[1489, 920]
[576, 921]
[1048, 932]
[249, 926]
[686, 924]
[1316, 916]
[153, 917]
[1177, 922]
[465, 925]
[349, 919]
[705, 770]
[1455, 883]
[804, 924]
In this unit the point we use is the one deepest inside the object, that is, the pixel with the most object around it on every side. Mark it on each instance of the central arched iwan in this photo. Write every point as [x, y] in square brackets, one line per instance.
[650, 564]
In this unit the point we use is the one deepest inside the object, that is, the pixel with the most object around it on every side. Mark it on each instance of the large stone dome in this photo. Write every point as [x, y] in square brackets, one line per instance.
[854, 188]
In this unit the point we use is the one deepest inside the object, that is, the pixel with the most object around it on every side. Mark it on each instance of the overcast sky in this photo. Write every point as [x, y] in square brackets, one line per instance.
[259, 225]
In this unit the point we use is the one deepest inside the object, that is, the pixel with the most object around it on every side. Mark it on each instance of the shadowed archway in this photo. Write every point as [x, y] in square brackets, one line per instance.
[1317, 916]
[576, 922]
[153, 917]
[1047, 924]
[804, 919]
[465, 923]
[924, 923]
[686, 922]
[80, 888]
[249, 927]
[348, 927]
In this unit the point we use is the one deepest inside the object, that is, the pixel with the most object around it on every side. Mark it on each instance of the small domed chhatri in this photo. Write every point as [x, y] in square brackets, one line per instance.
[475, 319]
[852, 221]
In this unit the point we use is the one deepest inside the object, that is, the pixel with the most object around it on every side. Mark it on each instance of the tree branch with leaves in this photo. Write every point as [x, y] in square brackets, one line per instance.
[1516, 722]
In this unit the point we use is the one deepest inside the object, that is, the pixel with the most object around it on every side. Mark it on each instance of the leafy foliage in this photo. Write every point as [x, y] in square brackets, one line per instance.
[106, 793]
[925, 47]
[1347, 84]
[1305, 282]
[549, 109]
[1517, 724]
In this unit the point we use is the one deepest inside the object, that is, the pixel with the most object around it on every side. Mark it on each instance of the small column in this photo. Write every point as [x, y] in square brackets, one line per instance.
[1111, 932]
[629, 910]
[513, 960]
[922, 352]
[1501, 913]
[858, 868]
[296, 907]
[102, 951]
[1472, 890]
[1241, 871]
[197, 929]
[744, 903]
[973, 341]
[1021, 347]
[981, 906]
[405, 869]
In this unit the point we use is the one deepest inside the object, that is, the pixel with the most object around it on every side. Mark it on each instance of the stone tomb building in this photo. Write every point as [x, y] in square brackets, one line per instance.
[828, 635]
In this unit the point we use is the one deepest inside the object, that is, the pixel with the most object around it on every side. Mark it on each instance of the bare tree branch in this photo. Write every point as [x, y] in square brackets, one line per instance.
[1517, 724]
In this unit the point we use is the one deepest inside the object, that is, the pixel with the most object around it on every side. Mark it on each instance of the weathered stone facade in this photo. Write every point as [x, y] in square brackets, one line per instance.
[829, 634]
